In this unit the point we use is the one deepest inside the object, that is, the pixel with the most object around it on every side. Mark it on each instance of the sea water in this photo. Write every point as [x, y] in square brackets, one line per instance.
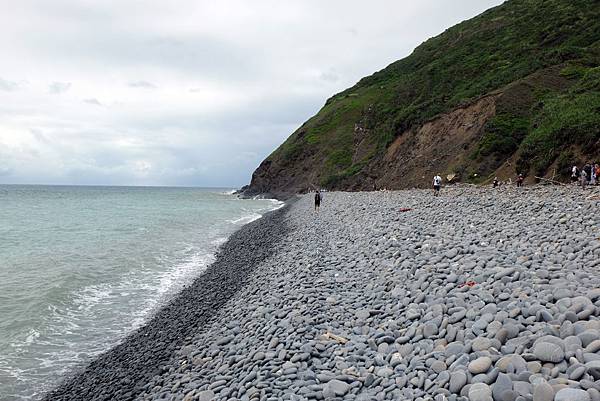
[81, 267]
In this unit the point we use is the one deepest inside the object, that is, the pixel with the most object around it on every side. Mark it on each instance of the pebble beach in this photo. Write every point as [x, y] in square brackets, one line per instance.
[477, 295]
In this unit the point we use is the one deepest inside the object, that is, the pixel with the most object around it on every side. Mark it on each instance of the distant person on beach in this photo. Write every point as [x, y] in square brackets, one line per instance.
[520, 180]
[583, 178]
[596, 171]
[437, 183]
[574, 174]
[317, 200]
[496, 182]
[588, 172]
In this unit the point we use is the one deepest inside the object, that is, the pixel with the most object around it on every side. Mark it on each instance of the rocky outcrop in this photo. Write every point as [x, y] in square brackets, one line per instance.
[445, 144]
[514, 90]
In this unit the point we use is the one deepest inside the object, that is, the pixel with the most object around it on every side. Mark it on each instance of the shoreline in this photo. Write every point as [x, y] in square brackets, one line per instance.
[121, 372]
[476, 295]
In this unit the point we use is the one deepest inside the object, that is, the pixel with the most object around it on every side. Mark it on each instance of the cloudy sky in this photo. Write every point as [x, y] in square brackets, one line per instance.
[184, 92]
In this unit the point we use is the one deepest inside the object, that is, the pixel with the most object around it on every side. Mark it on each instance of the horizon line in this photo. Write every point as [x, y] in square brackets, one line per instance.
[119, 186]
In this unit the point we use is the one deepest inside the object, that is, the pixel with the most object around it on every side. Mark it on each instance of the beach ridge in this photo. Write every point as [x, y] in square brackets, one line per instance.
[478, 295]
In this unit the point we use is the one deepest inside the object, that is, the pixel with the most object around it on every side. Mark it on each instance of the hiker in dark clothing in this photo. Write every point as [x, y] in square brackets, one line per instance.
[496, 182]
[317, 200]
[520, 180]
[588, 172]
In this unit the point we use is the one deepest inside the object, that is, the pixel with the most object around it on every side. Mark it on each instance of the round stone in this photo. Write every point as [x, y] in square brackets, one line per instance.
[572, 394]
[455, 348]
[501, 335]
[577, 373]
[593, 347]
[480, 365]
[438, 366]
[503, 383]
[512, 330]
[480, 392]
[594, 394]
[588, 336]
[207, 395]
[430, 330]
[481, 344]
[548, 352]
[480, 324]
[543, 392]
[534, 366]
[508, 395]
[396, 359]
[458, 379]
[561, 293]
[385, 372]
[335, 388]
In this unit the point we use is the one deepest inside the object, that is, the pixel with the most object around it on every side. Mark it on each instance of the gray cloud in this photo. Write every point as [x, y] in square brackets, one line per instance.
[330, 76]
[8, 86]
[39, 136]
[235, 79]
[92, 100]
[59, 87]
[142, 84]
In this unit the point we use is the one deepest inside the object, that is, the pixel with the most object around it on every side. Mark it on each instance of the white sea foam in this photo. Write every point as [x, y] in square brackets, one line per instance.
[88, 316]
[276, 204]
[219, 241]
[92, 295]
[246, 219]
[173, 279]
[33, 334]
[255, 215]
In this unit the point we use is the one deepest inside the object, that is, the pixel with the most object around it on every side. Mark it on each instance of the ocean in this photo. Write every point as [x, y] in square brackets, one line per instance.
[81, 267]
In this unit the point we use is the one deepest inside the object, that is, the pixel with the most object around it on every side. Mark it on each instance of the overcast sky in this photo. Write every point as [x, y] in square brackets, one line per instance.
[185, 92]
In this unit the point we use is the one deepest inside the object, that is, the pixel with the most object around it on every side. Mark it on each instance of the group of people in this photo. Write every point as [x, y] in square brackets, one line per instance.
[519, 181]
[587, 175]
[437, 183]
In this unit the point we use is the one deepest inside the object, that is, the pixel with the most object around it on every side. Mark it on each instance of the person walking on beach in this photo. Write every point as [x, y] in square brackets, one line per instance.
[317, 200]
[437, 183]
[495, 183]
[520, 180]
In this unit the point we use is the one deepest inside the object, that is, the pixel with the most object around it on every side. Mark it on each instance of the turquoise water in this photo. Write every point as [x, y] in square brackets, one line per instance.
[80, 267]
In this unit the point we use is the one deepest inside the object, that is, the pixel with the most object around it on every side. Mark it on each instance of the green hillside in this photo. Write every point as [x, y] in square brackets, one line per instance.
[472, 59]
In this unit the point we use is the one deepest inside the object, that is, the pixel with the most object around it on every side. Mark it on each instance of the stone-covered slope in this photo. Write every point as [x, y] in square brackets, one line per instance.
[519, 84]
[476, 295]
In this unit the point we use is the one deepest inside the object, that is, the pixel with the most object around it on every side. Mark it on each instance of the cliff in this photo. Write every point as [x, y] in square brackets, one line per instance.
[513, 90]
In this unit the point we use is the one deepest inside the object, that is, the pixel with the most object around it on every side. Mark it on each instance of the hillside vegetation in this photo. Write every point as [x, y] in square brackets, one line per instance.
[539, 58]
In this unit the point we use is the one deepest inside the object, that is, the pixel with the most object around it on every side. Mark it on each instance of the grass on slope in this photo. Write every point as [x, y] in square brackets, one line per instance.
[563, 120]
[503, 135]
[469, 60]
